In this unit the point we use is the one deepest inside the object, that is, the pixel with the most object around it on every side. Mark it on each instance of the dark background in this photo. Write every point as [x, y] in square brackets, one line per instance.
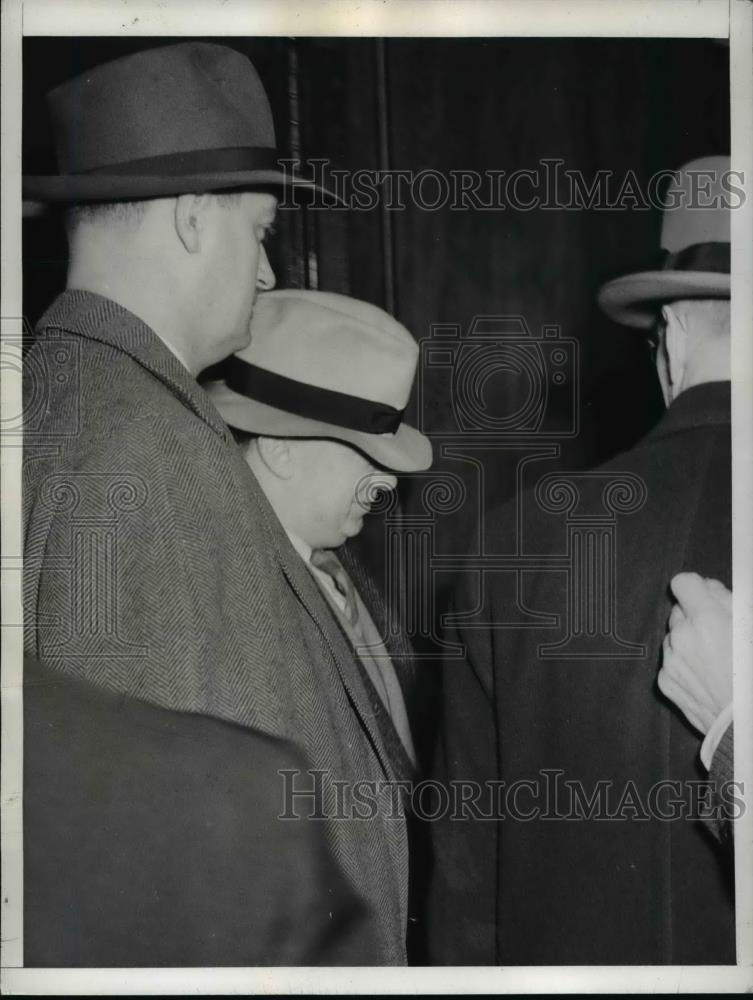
[460, 104]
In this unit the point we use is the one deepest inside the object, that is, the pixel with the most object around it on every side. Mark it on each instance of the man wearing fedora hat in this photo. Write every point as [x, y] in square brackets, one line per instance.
[154, 568]
[315, 402]
[605, 869]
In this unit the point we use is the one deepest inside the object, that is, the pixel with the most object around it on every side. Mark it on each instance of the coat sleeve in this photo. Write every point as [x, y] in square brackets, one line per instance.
[721, 776]
[127, 571]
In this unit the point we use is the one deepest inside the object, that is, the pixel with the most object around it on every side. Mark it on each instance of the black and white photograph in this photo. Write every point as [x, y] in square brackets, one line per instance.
[377, 467]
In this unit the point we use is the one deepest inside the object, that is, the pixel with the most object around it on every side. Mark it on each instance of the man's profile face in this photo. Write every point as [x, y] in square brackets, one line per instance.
[331, 486]
[236, 266]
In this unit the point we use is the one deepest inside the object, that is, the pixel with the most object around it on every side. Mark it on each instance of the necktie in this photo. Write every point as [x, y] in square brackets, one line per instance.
[327, 562]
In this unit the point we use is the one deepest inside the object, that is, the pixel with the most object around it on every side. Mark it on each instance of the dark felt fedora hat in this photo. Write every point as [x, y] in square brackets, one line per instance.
[190, 117]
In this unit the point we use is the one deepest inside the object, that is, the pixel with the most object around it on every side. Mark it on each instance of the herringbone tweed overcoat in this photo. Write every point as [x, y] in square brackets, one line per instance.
[154, 566]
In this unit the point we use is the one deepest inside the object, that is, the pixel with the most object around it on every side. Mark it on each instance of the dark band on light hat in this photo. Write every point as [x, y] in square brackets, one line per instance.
[714, 257]
[311, 401]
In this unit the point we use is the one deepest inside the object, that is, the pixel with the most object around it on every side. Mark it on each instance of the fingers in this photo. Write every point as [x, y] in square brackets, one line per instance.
[721, 593]
[679, 685]
[690, 591]
[679, 697]
[683, 638]
[677, 650]
[694, 592]
[676, 616]
[697, 668]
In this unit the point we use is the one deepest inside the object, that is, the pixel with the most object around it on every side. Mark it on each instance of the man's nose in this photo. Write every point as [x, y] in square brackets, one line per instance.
[265, 276]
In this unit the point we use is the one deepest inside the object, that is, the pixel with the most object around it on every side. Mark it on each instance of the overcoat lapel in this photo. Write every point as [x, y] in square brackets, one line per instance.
[313, 602]
[316, 607]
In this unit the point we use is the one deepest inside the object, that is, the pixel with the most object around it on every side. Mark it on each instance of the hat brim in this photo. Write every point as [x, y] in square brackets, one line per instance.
[407, 450]
[77, 188]
[635, 299]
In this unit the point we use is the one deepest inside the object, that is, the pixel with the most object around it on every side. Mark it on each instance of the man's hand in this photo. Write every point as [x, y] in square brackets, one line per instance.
[697, 670]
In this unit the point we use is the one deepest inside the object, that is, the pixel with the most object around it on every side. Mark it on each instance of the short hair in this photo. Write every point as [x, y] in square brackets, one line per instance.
[126, 213]
[242, 438]
[110, 212]
[228, 197]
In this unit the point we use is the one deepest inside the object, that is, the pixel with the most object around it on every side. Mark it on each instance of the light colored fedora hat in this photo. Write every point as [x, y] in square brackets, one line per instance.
[178, 119]
[327, 366]
[695, 248]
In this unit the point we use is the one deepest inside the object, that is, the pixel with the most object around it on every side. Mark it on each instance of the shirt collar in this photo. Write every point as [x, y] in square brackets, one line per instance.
[303, 549]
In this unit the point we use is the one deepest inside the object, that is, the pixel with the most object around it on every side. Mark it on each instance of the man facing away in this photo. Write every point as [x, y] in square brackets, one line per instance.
[154, 569]
[632, 877]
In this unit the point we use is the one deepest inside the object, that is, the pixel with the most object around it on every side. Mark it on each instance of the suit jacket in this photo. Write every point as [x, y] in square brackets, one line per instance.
[593, 891]
[153, 838]
[155, 567]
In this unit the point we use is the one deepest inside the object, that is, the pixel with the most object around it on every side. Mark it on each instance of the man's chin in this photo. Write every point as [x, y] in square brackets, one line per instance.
[351, 531]
[242, 341]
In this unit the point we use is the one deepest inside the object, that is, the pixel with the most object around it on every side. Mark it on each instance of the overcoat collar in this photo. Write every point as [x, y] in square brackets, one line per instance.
[95, 317]
[702, 405]
[89, 315]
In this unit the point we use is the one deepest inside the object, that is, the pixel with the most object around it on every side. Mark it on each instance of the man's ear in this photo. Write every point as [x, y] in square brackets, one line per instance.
[276, 455]
[189, 217]
[676, 346]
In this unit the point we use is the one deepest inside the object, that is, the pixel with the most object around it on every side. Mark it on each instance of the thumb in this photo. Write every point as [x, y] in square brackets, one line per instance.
[690, 592]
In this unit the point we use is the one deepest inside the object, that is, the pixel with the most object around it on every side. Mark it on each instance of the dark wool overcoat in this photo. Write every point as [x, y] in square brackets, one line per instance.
[627, 883]
[153, 838]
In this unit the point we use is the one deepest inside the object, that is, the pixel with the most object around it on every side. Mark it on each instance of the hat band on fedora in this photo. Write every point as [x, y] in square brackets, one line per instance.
[713, 257]
[230, 159]
[312, 401]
